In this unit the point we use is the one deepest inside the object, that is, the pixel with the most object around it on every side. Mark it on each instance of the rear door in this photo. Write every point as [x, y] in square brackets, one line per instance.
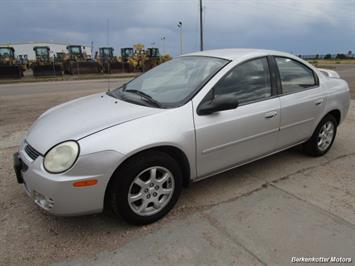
[302, 101]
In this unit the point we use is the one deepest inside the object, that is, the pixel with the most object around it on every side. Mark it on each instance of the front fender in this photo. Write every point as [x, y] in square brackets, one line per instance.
[173, 127]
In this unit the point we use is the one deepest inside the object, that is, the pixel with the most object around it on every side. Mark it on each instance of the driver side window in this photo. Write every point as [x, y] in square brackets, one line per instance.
[249, 81]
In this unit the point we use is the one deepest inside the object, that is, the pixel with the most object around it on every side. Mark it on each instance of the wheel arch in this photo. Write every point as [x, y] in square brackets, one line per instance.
[336, 113]
[173, 151]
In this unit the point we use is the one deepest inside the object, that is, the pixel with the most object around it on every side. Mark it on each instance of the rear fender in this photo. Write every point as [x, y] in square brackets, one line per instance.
[329, 73]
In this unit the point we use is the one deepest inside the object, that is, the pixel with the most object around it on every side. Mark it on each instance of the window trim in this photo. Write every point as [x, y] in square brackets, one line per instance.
[279, 83]
[273, 81]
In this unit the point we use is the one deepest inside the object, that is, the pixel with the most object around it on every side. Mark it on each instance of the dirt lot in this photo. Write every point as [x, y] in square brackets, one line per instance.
[260, 214]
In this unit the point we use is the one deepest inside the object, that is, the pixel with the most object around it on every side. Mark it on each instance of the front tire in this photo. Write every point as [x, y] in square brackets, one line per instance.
[145, 188]
[323, 137]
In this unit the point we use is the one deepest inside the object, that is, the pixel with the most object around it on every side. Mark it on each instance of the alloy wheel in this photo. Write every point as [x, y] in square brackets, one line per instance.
[325, 136]
[151, 190]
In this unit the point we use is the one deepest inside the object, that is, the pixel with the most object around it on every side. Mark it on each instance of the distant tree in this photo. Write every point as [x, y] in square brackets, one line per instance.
[328, 56]
[340, 56]
[350, 53]
[317, 56]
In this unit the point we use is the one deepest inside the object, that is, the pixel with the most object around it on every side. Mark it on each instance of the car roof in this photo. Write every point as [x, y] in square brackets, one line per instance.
[238, 53]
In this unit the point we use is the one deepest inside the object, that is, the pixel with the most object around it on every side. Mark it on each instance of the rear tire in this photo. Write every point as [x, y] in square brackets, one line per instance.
[145, 188]
[323, 137]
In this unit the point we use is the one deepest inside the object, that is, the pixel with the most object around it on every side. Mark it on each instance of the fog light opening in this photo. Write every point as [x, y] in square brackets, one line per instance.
[43, 201]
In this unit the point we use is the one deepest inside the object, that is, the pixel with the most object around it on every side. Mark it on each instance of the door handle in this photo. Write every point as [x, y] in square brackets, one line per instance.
[270, 114]
[318, 102]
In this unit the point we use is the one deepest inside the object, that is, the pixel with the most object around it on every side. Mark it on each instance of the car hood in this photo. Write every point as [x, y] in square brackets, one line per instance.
[82, 117]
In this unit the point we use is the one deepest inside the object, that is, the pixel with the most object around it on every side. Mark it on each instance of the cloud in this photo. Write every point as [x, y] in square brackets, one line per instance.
[303, 26]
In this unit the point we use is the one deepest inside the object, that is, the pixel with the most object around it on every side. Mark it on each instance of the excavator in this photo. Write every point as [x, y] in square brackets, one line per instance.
[77, 62]
[44, 66]
[9, 66]
[108, 62]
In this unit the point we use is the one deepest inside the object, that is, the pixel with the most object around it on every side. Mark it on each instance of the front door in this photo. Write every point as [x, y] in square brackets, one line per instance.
[227, 138]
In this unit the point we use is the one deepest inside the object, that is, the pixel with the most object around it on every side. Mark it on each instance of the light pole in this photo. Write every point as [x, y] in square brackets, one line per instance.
[201, 28]
[179, 25]
[163, 43]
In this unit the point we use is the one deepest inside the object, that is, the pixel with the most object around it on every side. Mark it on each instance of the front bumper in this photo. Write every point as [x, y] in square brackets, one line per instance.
[56, 194]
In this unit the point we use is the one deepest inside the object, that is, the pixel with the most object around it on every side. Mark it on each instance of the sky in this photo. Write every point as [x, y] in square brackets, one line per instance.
[297, 26]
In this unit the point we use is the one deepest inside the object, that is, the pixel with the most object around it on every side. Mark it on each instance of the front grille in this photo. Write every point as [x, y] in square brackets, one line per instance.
[31, 152]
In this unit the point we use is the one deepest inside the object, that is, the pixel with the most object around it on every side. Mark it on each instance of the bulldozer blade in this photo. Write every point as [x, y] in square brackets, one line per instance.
[47, 70]
[115, 67]
[88, 67]
[10, 72]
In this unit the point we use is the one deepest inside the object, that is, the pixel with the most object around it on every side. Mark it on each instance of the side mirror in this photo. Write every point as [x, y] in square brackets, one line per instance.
[219, 103]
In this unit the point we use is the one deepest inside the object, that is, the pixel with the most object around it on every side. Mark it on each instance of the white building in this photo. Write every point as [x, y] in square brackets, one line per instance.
[27, 48]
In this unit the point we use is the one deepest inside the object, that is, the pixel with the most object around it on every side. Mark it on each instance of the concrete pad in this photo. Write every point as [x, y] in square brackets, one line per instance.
[276, 226]
[192, 241]
[331, 187]
[243, 180]
[344, 142]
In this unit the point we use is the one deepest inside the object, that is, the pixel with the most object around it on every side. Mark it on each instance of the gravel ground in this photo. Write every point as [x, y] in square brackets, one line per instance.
[30, 236]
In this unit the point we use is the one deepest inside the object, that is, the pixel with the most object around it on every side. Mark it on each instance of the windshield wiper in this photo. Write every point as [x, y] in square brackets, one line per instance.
[145, 96]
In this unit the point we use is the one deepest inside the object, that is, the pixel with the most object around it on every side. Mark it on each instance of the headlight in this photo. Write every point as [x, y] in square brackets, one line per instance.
[61, 157]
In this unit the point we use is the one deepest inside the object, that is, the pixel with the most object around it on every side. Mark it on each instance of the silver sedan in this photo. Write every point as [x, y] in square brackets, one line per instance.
[132, 150]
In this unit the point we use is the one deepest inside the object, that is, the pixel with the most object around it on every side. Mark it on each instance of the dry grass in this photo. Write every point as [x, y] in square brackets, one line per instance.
[318, 62]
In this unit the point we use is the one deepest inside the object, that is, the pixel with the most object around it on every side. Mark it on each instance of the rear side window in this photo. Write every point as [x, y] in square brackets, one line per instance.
[294, 76]
[249, 81]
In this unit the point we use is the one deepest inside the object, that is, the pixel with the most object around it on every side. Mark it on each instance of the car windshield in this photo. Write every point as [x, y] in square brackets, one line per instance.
[173, 83]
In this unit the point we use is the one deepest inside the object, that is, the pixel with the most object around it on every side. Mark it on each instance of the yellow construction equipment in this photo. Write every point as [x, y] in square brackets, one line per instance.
[77, 62]
[165, 58]
[108, 62]
[126, 55]
[44, 65]
[152, 58]
[9, 66]
[24, 62]
[137, 58]
[144, 60]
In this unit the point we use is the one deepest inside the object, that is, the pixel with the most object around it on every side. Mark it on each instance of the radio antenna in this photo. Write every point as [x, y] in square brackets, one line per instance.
[107, 59]
[201, 27]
